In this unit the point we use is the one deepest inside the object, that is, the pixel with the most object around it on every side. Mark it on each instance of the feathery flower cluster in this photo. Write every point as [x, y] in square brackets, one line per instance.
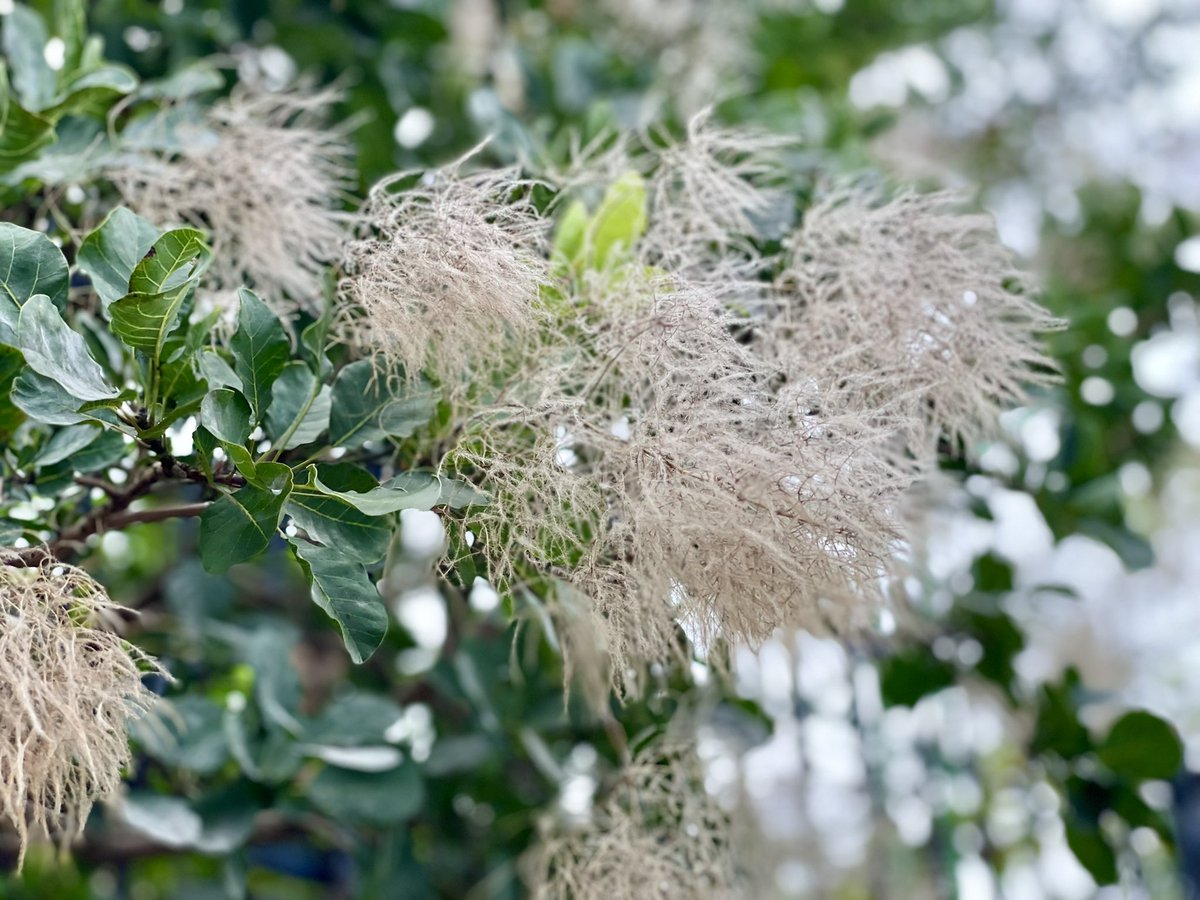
[657, 834]
[446, 272]
[69, 687]
[909, 308]
[687, 436]
[267, 180]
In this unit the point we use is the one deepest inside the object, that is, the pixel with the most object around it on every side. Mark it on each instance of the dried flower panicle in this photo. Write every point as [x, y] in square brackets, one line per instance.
[446, 272]
[69, 686]
[684, 435]
[267, 180]
[911, 310]
[658, 833]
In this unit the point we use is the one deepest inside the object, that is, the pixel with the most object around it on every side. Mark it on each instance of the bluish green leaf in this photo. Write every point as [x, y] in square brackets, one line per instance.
[359, 397]
[92, 93]
[110, 253]
[407, 491]
[31, 265]
[239, 526]
[52, 349]
[1141, 745]
[383, 798]
[260, 350]
[299, 410]
[227, 415]
[25, 40]
[401, 418]
[66, 442]
[336, 523]
[342, 588]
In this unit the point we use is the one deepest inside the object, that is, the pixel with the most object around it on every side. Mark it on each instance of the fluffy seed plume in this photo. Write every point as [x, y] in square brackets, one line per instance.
[267, 180]
[445, 272]
[911, 311]
[689, 444]
[69, 687]
[657, 834]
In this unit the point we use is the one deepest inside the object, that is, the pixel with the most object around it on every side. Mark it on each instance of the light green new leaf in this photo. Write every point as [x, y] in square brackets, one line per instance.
[342, 588]
[92, 93]
[30, 264]
[113, 250]
[227, 415]
[620, 221]
[410, 490]
[260, 351]
[52, 349]
[299, 410]
[239, 526]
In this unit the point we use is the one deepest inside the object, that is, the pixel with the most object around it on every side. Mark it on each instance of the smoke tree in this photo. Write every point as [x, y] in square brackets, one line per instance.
[663, 395]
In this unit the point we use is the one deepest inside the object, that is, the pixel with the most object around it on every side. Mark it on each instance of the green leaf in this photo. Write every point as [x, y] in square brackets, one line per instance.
[359, 398]
[52, 349]
[460, 494]
[299, 410]
[107, 450]
[1092, 851]
[22, 134]
[189, 737]
[336, 523]
[31, 265]
[92, 93]
[172, 261]
[110, 253]
[239, 526]
[12, 363]
[43, 400]
[195, 78]
[620, 221]
[1141, 745]
[260, 350]
[570, 237]
[410, 490]
[158, 286]
[70, 24]
[382, 798]
[227, 415]
[1058, 728]
[907, 677]
[342, 588]
[401, 418]
[25, 40]
[67, 442]
[216, 371]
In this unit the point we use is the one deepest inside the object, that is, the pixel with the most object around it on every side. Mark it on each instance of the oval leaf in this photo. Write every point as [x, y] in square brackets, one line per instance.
[52, 349]
[343, 590]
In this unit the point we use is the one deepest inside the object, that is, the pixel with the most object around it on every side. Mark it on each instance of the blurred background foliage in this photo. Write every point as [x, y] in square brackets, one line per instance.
[990, 740]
